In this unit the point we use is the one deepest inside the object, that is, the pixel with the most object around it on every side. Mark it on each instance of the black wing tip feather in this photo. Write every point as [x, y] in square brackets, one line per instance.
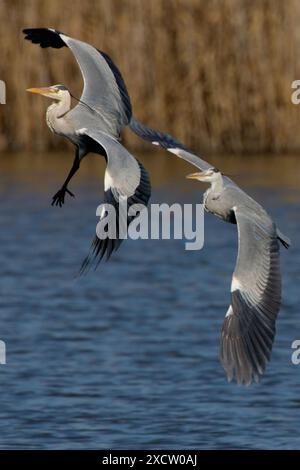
[165, 140]
[246, 341]
[100, 249]
[45, 37]
[120, 83]
[104, 248]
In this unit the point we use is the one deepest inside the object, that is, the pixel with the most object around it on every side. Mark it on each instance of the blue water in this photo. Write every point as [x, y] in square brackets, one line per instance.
[127, 357]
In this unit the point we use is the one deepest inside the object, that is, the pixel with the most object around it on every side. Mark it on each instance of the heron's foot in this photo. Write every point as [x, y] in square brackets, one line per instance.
[59, 198]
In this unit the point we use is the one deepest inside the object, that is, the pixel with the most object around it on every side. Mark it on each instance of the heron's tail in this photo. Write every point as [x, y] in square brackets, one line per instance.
[155, 137]
[284, 239]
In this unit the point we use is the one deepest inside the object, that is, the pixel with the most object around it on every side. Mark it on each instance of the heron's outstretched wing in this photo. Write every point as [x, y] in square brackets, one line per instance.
[104, 89]
[249, 326]
[126, 183]
[166, 141]
[190, 157]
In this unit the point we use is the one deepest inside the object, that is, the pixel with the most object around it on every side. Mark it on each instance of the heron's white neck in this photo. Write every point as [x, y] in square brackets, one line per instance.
[217, 183]
[56, 111]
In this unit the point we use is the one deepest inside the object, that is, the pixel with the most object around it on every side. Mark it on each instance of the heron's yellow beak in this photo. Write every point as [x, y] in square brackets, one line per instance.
[196, 176]
[41, 91]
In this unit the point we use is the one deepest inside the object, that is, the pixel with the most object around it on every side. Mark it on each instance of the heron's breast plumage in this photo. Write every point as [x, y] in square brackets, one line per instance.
[60, 125]
[218, 204]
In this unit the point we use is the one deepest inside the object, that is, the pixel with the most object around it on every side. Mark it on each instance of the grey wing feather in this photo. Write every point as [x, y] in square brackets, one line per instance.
[127, 181]
[169, 143]
[155, 137]
[190, 158]
[249, 327]
[101, 90]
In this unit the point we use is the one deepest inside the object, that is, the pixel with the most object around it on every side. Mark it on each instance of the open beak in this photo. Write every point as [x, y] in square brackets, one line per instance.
[195, 176]
[40, 91]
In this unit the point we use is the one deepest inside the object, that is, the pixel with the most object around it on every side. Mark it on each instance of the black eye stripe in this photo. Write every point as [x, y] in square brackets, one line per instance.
[61, 87]
[215, 170]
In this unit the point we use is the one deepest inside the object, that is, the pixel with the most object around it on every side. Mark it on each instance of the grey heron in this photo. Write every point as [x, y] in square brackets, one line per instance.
[249, 327]
[104, 104]
[125, 178]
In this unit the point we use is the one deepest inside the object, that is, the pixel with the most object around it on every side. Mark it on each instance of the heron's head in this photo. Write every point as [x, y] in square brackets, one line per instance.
[208, 176]
[55, 92]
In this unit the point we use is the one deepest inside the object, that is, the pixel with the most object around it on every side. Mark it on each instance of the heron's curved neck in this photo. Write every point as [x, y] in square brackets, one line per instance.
[218, 183]
[57, 110]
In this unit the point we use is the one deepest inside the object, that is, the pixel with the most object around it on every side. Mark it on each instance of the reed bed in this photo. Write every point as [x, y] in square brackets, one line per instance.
[216, 74]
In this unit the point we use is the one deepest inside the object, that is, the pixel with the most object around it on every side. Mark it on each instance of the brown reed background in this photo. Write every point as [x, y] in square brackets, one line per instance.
[215, 73]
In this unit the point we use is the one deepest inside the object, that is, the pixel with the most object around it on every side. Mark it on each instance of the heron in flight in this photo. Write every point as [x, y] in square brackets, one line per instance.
[95, 124]
[104, 104]
[249, 326]
[125, 178]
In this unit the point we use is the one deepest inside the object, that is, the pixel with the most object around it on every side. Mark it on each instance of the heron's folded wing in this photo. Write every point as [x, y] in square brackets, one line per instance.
[126, 183]
[249, 326]
[104, 89]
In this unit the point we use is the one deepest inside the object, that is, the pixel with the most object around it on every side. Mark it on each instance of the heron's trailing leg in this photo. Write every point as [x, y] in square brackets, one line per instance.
[59, 198]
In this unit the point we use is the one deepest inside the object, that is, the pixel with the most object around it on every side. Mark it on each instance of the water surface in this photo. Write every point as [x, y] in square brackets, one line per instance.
[127, 356]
